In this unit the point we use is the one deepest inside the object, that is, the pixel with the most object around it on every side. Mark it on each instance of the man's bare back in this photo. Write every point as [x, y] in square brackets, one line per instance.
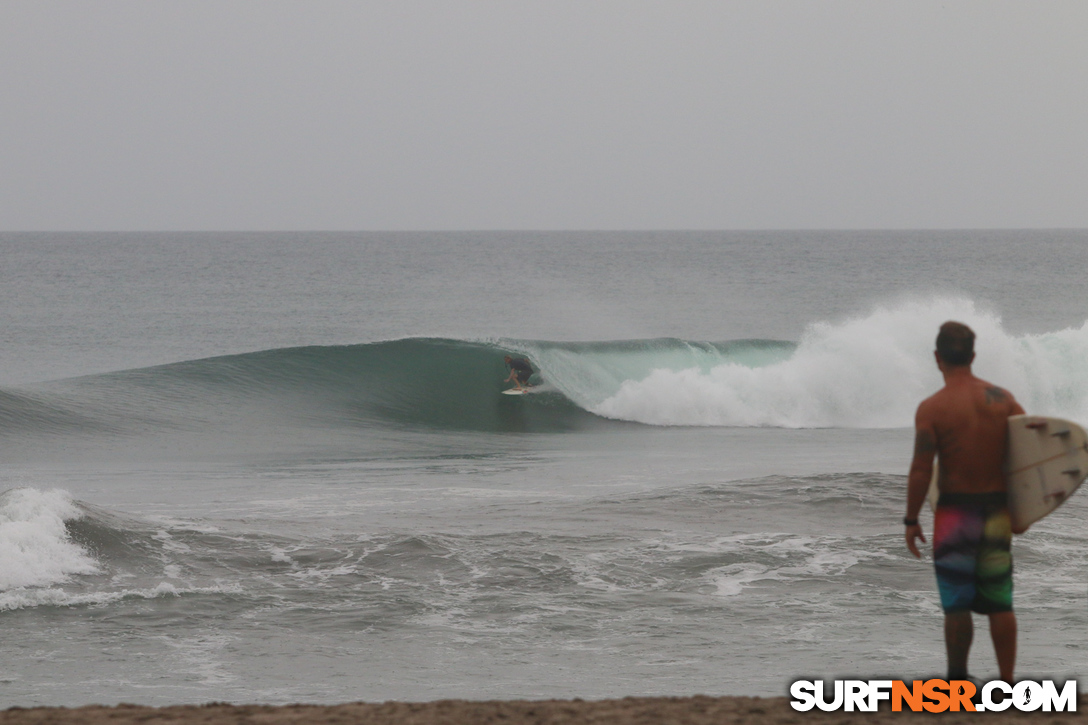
[966, 424]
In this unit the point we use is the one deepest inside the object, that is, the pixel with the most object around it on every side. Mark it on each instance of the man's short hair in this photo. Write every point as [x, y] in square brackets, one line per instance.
[956, 343]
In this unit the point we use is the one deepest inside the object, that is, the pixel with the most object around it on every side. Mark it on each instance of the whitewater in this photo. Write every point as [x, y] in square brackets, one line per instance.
[278, 467]
[862, 373]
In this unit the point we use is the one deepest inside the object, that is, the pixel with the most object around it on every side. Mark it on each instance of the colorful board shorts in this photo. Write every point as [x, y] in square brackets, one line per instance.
[971, 552]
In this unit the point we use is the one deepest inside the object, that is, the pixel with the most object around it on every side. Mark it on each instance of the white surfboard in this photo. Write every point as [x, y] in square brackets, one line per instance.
[532, 389]
[1047, 461]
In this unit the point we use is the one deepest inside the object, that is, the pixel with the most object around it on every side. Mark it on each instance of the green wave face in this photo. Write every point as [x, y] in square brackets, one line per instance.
[415, 383]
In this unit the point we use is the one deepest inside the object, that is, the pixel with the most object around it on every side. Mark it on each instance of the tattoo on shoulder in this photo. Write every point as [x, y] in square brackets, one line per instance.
[925, 443]
[995, 394]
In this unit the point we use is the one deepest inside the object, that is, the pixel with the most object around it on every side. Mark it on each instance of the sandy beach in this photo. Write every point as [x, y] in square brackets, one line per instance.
[697, 710]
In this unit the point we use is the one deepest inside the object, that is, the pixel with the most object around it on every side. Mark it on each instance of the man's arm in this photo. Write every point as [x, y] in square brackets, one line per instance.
[921, 473]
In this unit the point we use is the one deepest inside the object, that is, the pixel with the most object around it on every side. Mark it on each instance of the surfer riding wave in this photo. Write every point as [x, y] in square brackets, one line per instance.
[520, 371]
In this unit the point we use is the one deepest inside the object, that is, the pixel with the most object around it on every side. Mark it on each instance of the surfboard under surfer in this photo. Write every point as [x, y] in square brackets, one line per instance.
[520, 371]
[965, 424]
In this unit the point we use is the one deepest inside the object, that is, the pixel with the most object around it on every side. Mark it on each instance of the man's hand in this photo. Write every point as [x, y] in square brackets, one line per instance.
[915, 532]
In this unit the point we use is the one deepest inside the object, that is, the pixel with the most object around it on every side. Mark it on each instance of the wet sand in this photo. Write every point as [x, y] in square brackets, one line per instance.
[627, 711]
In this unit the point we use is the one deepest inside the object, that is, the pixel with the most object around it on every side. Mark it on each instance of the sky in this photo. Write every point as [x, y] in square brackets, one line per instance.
[120, 115]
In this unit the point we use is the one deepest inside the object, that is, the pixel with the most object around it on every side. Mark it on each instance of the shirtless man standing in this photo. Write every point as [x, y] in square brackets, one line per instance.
[965, 425]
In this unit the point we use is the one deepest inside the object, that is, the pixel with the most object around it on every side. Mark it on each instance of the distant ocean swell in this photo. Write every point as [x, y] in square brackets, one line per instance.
[865, 372]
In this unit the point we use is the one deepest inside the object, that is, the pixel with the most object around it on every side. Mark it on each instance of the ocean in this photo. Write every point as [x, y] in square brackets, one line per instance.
[278, 467]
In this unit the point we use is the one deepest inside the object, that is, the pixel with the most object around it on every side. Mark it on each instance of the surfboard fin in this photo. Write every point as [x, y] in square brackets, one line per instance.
[1061, 433]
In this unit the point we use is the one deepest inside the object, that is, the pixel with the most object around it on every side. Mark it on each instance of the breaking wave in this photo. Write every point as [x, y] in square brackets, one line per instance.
[866, 372]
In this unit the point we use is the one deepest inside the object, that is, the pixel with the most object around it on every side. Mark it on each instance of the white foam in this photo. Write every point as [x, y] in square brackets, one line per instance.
[729, 581]
[35, 549]
[53, 597]
[867, 372]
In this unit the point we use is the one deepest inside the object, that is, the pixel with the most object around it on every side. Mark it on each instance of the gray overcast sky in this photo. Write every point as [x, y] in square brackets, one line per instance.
[542, 114]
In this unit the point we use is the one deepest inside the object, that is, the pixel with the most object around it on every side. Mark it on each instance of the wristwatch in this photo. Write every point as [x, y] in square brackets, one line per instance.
[909, 522]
